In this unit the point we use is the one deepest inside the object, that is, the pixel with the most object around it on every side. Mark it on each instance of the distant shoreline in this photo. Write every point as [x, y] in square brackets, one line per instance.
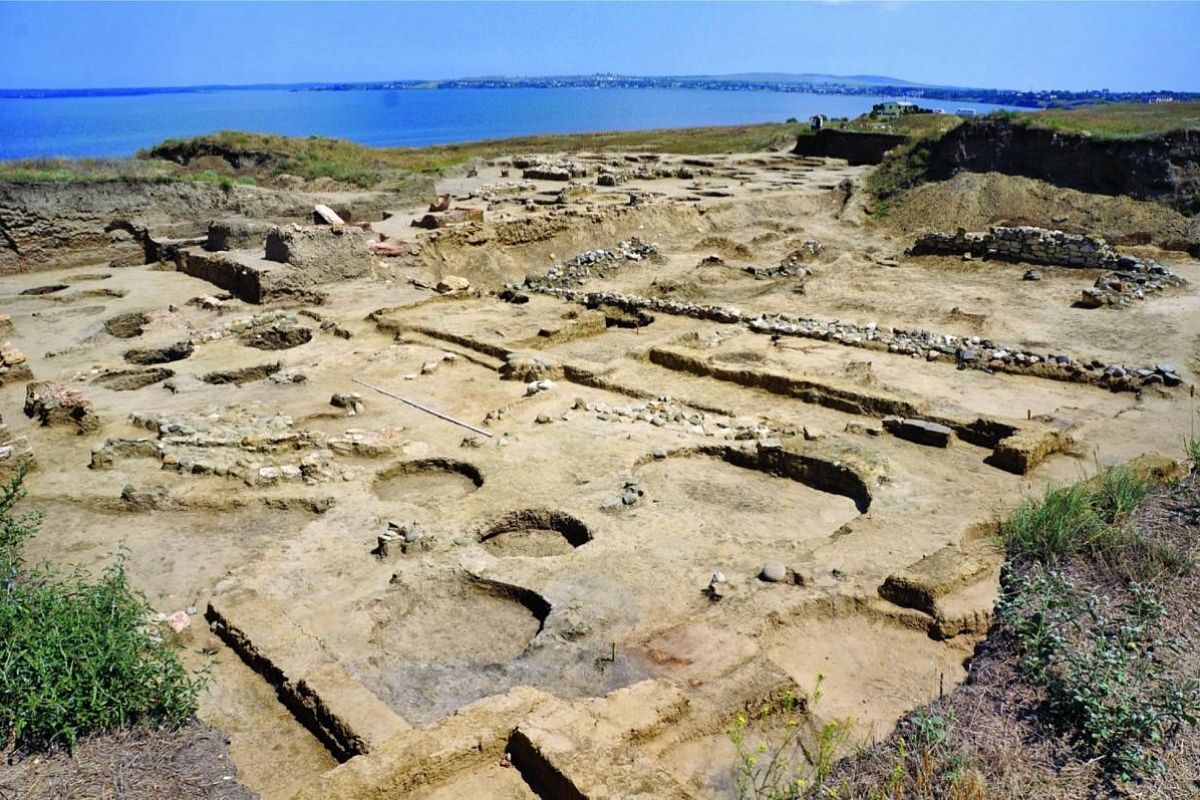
[829, 85]
[118, 126]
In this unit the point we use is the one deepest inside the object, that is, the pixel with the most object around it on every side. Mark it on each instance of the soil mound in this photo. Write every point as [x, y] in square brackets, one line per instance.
[975, 201]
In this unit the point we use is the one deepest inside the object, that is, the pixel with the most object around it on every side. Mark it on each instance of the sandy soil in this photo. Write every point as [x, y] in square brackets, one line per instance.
[604, 663]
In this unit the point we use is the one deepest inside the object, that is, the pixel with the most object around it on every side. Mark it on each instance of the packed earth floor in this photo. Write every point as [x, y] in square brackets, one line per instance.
[690, 454]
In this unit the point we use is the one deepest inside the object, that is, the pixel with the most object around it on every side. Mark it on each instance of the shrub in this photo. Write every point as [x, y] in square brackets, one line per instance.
[785, 767]
[1100, 665]
[80, 655]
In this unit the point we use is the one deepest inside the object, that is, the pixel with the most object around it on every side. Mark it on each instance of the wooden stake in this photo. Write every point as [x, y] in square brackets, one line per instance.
[426, 409]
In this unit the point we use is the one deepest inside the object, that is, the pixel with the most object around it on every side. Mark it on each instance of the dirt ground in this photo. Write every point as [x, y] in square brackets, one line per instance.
[191, 763]
[395, 605]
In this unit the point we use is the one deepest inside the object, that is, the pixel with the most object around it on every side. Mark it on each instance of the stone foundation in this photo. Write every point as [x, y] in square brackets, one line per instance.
[1130, 278]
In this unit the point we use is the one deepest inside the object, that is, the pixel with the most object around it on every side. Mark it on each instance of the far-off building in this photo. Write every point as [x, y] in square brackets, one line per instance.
[891, 109]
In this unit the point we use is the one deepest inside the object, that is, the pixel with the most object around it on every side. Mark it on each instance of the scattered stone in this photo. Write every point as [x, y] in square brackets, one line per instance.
[351, 401]
[1032, 275]
[718, 588]
[403, 536]
[14, 451]
[179, 621]
[288, 376]
[324, 215]
[773, 572]
[54, 404]
[452, 284]
[591, 263]
[252, 447]
[14, 366]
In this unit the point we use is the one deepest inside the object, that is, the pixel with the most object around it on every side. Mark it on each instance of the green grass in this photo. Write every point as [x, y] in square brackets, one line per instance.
[902, 168]
[64, 170]
[1117, 120]
[230, 157]
[80, 655]
[317, 157]
[1191, 446]
[1083, 518]
[1100, 661]
[1101, 666]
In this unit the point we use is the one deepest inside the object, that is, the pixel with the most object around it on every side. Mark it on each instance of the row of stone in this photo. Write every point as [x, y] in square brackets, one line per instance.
[611, 177]
[664, 412]
[259, 449]
[577, 270]
[968, 352]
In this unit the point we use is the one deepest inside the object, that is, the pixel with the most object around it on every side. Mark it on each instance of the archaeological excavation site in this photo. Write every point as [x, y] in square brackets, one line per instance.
[532, 477]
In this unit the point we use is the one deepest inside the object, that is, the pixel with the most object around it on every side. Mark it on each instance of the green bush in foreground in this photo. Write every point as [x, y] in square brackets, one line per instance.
[1101, 664]
[78, 655]
[1101, 661]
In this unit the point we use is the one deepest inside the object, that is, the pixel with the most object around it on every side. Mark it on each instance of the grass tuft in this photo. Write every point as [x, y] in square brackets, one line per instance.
[79, 655]
[1088, 518]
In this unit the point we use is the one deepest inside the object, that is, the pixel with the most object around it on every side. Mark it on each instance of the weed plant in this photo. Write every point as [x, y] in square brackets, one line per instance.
[79, 655]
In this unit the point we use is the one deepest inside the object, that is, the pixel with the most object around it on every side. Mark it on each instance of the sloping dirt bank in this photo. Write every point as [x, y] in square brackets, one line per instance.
[51, 225]
[1163, 167]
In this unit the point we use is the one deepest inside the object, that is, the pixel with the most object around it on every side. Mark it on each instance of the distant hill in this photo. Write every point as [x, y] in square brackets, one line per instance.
[808, 77]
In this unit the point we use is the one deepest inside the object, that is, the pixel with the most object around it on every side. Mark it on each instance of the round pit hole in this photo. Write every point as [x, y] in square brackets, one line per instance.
[428, 482]
[535, 532]
[460, 620]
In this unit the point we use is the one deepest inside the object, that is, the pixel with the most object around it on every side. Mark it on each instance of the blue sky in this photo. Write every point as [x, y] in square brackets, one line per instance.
[1007, 45]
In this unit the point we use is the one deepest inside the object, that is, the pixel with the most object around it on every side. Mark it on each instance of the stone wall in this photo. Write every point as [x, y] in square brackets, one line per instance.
[1129, 277]
[1025, 243]
[967, 352]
